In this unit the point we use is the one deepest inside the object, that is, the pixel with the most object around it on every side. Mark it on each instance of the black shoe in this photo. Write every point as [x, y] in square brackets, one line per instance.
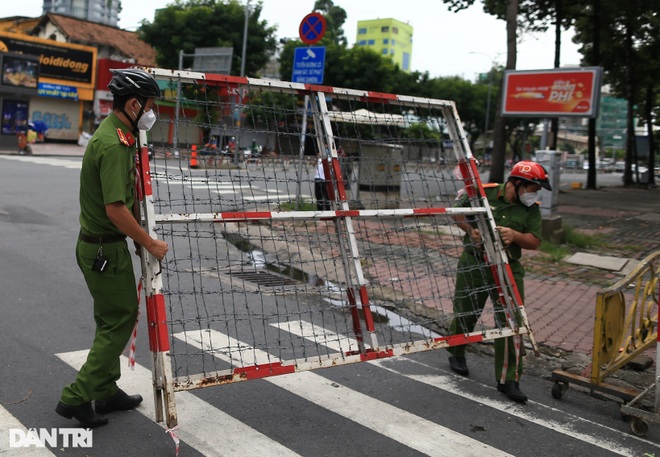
[120, 401]
[458, 365]
[83, 413]
[512, 390]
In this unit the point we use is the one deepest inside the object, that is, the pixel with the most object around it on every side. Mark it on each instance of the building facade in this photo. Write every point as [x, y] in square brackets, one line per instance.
[54, 70]
[388, 37]
[101, 11]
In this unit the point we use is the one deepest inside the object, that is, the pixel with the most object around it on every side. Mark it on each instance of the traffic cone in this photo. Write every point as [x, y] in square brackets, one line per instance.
[193, 157]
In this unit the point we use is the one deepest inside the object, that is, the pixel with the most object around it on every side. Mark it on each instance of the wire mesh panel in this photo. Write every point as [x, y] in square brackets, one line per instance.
[308, 226]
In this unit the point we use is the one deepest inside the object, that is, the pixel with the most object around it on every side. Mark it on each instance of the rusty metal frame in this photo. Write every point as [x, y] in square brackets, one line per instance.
[165, 385]
[164, 401]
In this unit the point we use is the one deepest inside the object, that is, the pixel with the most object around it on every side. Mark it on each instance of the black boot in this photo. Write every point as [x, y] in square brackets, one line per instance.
[83, 413]
[512, 390]
[458, 365]
[120, 401]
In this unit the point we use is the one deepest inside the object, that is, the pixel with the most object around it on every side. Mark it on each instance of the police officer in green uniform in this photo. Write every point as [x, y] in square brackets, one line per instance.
[107, 203]
[518, 221]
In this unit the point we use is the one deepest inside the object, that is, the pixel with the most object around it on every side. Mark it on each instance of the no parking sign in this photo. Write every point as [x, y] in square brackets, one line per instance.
[312, 28]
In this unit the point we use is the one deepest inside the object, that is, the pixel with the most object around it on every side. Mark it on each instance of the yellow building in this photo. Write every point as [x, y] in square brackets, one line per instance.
[387, 37]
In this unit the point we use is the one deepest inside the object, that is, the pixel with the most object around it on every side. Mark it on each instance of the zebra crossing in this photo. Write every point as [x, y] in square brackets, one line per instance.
[248, 192]
[209, 427]
[199, 419]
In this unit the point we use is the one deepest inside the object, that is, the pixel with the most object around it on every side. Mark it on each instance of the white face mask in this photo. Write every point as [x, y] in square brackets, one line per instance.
[528, 198]
[147, 120]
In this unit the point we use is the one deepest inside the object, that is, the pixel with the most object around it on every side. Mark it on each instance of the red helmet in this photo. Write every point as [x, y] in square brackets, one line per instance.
[531, 172]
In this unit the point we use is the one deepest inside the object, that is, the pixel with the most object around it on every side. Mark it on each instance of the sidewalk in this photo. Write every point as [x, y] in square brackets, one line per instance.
[561, 297]
[53, 149]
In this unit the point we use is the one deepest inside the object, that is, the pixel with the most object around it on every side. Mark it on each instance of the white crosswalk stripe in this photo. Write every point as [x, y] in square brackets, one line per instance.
[55, 162]
[249, 192]
[411, 430]
[447, 383]
[199, 420]
[9, 422]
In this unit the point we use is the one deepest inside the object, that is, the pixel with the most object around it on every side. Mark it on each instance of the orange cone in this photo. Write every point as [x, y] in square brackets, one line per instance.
[193, 157]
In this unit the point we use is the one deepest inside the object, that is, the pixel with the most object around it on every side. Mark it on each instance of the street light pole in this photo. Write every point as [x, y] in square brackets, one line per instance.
[490, 85]
[245, 34]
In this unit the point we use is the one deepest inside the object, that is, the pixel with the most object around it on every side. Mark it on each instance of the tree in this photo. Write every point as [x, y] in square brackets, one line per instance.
[184, 26]
[629, 54]
[335, 17]
[509, 8]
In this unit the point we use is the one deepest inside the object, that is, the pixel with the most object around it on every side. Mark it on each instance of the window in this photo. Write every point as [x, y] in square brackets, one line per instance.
[393, 42]
[406, 61]
[384, 51]
[371, 42]
[362, 31]
[385, 29]
[385, 41]
[395, 30]
[362, 42]
[14, 117]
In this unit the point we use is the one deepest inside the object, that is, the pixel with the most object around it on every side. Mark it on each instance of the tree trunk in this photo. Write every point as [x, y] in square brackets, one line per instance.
[554, 122]
[650, 98]
[591, 172]
[499, 132]
[631, 88]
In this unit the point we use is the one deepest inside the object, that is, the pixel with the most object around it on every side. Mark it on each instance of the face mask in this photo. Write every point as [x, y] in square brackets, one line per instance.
[528, 198]
[147, 120]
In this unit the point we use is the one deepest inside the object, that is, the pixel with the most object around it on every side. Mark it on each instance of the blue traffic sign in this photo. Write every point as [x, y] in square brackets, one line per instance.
[309, 65]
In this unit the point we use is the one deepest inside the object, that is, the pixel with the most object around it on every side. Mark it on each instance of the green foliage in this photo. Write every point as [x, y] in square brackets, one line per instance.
[574, 240]
[422, 132]
[302, 205]
[186, 25]
[335, 16]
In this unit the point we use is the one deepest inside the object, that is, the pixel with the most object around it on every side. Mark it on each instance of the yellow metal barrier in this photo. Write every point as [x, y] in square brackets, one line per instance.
[622, 332]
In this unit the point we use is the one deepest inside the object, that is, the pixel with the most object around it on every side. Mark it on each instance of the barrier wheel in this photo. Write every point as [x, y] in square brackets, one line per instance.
[638, 426]
[558, 390]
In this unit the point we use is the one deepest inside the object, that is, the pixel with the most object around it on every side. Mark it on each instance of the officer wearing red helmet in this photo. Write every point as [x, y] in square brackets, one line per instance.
[107, 183]
[518, 222]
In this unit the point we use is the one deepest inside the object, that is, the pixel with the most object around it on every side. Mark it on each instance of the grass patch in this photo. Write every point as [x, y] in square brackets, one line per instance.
[303, 205]
[582, 240]
[575, 240]
[555, 252]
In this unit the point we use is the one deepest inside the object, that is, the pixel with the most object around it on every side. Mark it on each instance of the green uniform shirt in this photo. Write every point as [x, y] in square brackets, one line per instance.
[107, 176]
[513, 215]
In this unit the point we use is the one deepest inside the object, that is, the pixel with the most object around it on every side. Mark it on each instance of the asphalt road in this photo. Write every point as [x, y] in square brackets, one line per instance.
[406, 406]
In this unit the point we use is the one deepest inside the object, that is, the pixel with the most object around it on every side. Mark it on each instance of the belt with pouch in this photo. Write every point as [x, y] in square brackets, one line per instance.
[101, 239]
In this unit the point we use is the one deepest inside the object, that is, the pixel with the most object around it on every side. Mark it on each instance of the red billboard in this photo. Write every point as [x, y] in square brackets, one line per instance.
[571, 92]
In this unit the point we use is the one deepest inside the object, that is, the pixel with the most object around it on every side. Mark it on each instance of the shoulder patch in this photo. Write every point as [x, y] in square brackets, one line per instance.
[125, 138]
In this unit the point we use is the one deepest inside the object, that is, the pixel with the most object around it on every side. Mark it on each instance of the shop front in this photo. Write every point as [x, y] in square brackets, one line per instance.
[44, 83]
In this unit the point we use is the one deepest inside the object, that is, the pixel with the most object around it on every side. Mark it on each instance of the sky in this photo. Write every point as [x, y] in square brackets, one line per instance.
[444, 43]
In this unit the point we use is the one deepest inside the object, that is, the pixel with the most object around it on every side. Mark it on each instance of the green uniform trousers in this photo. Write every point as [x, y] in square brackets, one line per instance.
[474, 282]
[115, 311]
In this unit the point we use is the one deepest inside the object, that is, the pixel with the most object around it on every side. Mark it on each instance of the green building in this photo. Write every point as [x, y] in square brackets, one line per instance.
[388, 37]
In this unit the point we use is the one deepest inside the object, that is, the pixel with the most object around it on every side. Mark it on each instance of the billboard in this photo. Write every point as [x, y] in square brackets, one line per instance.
[573, 92]
[20, 71]
[61, 61]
